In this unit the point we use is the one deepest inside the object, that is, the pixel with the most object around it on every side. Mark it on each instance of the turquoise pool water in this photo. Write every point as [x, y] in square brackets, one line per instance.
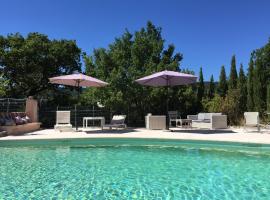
[133, 169]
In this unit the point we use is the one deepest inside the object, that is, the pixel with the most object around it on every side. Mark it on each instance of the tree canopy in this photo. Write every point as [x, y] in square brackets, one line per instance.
[28, 62]
[128, 58]
[261, 77]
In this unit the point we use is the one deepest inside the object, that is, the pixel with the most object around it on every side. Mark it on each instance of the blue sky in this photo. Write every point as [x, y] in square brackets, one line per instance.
[207, 32]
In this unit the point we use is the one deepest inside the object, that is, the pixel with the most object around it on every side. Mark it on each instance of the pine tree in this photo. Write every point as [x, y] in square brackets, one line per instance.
[200, 92]
[242, 87]
[211, 90]
[250, 87]
[222, 85]
[233, 74]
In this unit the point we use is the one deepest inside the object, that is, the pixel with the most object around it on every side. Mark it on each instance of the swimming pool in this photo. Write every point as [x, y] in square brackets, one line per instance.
[133, 169]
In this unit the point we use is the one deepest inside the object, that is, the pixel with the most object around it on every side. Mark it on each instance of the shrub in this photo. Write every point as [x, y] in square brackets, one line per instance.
[231, 107]
[213, 105]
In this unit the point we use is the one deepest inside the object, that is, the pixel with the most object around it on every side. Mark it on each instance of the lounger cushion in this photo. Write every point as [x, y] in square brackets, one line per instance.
[117, 121]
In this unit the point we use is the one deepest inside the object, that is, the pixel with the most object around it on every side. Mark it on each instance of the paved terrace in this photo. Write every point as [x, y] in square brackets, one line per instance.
[228, 135]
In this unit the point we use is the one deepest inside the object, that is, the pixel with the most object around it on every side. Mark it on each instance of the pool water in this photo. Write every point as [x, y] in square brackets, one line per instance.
[133, 169]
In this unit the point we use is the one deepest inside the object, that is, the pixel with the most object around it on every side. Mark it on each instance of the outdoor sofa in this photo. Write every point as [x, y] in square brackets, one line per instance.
[16, 123]
[209, 120]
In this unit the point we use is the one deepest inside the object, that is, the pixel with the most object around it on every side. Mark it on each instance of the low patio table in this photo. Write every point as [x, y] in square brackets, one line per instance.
[86, 119]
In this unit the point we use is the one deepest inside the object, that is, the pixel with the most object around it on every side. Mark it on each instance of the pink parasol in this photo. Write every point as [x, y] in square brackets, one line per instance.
[167, 78]
[78, 80]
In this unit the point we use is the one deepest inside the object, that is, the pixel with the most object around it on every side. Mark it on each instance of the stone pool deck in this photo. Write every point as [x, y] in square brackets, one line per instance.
[228, 135]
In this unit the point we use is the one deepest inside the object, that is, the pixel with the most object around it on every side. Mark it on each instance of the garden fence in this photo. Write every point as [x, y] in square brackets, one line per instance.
[47, 113]
[12, 105]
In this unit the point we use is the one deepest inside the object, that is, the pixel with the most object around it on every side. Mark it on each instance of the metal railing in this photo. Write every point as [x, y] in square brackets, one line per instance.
[47, 115]
[12, 105]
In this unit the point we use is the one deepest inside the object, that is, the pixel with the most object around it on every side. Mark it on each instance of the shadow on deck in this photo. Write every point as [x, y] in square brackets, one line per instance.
[111, 131]
[202, 131]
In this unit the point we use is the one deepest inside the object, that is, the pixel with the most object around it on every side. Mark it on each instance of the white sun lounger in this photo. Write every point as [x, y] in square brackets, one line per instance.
[118, 121]
[63, 121]
[252, 119]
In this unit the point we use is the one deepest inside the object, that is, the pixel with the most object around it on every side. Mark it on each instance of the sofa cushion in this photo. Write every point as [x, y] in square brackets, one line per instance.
[216, 114]
[2, 121]
[26, 119]
[202, 121]
[117, 121]
[9, 122]
[18, 120]
[207, 116]
[201, 116]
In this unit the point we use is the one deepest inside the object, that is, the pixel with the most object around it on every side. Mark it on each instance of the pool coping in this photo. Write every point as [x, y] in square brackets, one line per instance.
[236, 138]
[137, 138]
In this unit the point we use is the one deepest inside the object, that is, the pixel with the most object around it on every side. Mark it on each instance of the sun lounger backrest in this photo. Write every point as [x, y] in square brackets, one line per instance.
[118, 119]
[192, 117]
[251, 118]
[172, 114]
[62, 117]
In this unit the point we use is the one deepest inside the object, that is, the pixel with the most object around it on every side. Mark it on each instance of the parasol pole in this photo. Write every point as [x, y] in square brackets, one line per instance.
[167, 103]
[78, 97]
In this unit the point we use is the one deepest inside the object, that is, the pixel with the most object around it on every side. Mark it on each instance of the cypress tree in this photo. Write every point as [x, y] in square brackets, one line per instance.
[258, 87]
[211, 90]
[242, 87]
[268, 98]
[222, 85]
[250, 87]
[233, 74]
[200, 92]
[261, 77]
